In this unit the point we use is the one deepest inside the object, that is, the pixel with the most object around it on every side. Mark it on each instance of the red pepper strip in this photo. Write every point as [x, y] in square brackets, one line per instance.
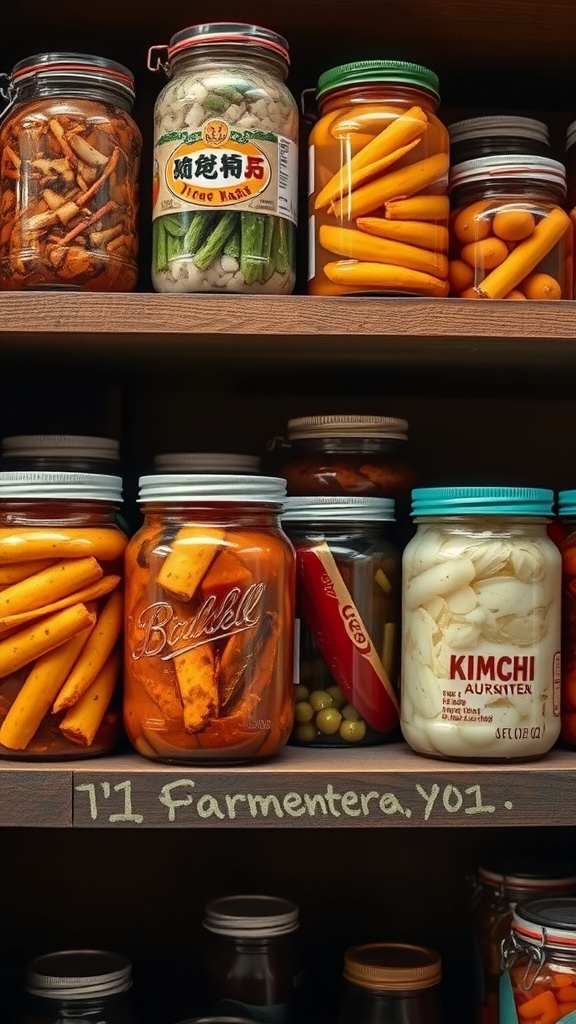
[342, 638]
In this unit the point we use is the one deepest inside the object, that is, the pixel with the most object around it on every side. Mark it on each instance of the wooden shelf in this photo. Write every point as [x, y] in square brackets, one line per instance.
[377, 787]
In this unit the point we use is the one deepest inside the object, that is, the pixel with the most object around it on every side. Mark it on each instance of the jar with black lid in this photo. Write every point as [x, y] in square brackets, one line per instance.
[70, 164]
[348, 609]
[252, 957]
[76, 453]
[391, 983]
[476, 137]
[78, 985]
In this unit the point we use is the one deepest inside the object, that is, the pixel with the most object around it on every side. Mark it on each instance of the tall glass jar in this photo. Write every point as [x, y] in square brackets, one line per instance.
[210, 581]
[567, 516]
[391, 982]
[538, 981]
[510, 237]
[225, 162]
[378, 183]
[348, 610]
[78, 985]
[481, 625]
[501, 884]
[69, 175]
[61, 567]
[252, 957]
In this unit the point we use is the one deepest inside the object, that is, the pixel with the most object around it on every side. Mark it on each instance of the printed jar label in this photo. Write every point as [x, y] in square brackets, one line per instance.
[481, 687]
[509, 1015]
[218, 167]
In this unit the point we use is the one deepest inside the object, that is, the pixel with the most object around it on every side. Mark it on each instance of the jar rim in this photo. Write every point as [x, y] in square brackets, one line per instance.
[24, 484]
[85, 68]
[499, 125]
[366, 72]
[234, 32]
[78, 974]
[63, 445]
[211, 488]
[326, 508]
[251, 916]
[207, 462]
[548, 921]
[308, 427]
[473, 501]
[392, 966]
[508, 167]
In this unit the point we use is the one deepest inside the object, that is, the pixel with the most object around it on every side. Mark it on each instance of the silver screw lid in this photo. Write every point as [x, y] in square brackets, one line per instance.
[251, 916]
[78, 974]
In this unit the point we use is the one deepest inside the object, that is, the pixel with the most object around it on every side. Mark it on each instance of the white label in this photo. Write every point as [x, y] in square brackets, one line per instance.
[287, 179]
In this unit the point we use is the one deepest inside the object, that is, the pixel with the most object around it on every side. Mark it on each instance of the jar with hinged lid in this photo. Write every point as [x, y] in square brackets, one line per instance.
[209, 650]
[391, 982]
[378, 182]
[81, 986]
[70, 164]
[510, 237]
[538, 980]
[61, 603]
[225, 162]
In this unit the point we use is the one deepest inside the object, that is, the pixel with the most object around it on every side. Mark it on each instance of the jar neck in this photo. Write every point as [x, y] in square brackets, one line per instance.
[230, 57]
[378, 92]
[378, 445]
[249, 514]
[484, 522]
[53, 511]
[43, 87]
[511, 188]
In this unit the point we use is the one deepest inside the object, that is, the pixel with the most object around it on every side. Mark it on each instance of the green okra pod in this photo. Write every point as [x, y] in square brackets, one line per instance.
[214, 244]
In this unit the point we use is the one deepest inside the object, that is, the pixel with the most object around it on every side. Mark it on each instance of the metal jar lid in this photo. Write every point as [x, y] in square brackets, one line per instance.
[510, 167]
[508, 126]
[75, 70]
[305, 427]
[251, 916]
[219, 33]
[211, 487]
[547, 921]
[78, 974]
[474, 501]
[365, 72]
[61, 445]
[44, 484]
[325, 508]
[206, 462]
[392, 966]
[524, 877]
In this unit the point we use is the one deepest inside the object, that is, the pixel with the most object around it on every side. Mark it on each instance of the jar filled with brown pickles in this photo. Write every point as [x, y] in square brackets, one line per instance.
[348, 611]
[69, 175]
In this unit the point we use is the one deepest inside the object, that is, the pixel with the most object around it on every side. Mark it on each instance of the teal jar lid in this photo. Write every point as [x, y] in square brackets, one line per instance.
[365, 72]
[474, 501]
[566, 503]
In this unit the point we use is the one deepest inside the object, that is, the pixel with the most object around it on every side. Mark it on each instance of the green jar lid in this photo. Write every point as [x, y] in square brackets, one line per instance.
[398, 72]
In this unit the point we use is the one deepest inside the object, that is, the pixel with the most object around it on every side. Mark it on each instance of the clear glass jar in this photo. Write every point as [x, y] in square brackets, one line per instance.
[76, 453]
[347, 676]
[510, 237]
[481, 625]
[252, 958]
[69, 174]
[61, 568]
[378, 173]
[476, 137]
[501, 884]
[210, 582]
[207, 462]
[538, 981]
[78, 985]
[225, 162]
[567, 543]
[391, 983]
[570, 161]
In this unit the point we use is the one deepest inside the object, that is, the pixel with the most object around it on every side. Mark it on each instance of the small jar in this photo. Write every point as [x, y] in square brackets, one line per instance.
[73, 452]
[391, 981]
[78, 985]
[500, 886]
[252, 958]
[510, 237]
[476, 137]
[538, 981]
[348, 611]
[210, 581]
[378, 182]
[481, 593]
[61, 568]
[207, 462]
[567, 517]
[69, 172]
[225, 181]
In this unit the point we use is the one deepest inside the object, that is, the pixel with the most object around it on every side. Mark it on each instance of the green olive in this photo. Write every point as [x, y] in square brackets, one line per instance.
[328, 721]
[301, 692]
[303, 711]
[352, 732]
[306, 733]
[338, 697]
[320, 699]
[350, 714]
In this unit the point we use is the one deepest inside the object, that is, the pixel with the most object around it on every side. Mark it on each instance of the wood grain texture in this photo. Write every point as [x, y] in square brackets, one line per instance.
[35, 796]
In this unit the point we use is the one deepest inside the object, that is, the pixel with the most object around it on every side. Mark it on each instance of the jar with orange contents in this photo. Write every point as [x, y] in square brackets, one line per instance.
[538, 983]
[378, 203]
[567, 545]
[510, 237]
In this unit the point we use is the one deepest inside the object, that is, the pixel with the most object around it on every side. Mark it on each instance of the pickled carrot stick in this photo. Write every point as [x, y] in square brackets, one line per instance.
[541, 1004]
[346, 179]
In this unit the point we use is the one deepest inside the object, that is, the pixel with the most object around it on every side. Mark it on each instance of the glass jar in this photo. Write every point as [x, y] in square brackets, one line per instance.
[252, 957]
[571, 179]
[61, 567]
[501, 884]
[73, 452]
[391, 982]
[510, 237]
[538, 983]
[225, 162]
[378, 183]
[69, 174]
[567, 517]
[481, 596]
[348, 610]
[210, 582]
[78, 985]
[476, 137]
[207, 462]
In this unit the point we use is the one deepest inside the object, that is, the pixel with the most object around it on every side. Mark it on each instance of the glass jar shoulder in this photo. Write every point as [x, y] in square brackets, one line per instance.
[38, 112]
[492, 548]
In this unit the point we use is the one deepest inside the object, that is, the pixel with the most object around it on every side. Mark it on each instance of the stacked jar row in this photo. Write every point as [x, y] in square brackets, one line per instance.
[390, 212]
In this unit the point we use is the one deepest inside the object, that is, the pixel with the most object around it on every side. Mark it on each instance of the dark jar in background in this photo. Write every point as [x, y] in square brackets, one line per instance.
[348, 598]
[497, 134]
[252, 958]
[207, 462]
[78, 985]
[70, 165]
[61, 602]
[391, 983]
[77, 453]
[209, 612]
